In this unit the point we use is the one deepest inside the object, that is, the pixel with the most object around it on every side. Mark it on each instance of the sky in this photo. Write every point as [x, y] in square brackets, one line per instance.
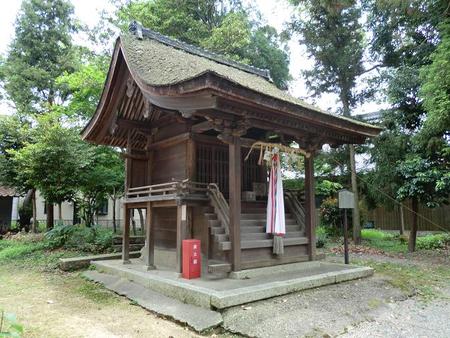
[274, 12]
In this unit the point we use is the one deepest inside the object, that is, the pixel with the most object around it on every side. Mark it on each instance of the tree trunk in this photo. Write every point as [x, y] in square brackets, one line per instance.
[356, 220]
[133, 222]
[402, 219]
[114, 215]
[413, 232]
[141, 219]
[50, 216]
[35, 224]
[60, 218]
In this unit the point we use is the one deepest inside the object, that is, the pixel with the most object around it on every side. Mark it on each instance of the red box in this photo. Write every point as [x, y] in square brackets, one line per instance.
[192, 259]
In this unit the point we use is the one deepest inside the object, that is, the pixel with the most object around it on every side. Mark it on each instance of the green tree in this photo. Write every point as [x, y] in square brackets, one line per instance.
[103, 178]
[224, 27]
[40, 52]
[84, 86]
[435, 93]
[333, 36]
[423, 181]
[53, 162]
[14, 135]
[405, 35]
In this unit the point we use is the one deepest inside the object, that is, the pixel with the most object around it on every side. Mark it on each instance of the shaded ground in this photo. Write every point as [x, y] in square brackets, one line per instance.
[64, 305]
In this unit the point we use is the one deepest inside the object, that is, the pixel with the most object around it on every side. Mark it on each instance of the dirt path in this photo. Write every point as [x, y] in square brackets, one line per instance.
[52, 305]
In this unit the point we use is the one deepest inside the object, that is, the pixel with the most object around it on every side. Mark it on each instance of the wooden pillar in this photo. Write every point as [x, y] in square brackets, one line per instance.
[181, 233]
[126, 236]
[191, 171]
[150, 238]
[235, 201]
[310, 207]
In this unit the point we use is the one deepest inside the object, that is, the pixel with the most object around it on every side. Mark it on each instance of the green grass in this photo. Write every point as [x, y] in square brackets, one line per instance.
[32, 251]
[383, 241]
[434, 241]
[422, 281]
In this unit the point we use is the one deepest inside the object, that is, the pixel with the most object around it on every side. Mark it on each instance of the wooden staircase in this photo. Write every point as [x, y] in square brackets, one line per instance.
[253, 226]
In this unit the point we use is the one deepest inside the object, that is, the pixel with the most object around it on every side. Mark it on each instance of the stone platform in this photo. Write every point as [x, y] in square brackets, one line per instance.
[217, 292]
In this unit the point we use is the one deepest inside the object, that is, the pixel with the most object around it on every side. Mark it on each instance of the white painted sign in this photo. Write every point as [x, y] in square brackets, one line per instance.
[346, 199]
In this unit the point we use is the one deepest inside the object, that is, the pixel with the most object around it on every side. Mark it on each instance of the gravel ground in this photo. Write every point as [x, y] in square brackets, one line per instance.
[326, 311]
[369, 307]
[407, 319]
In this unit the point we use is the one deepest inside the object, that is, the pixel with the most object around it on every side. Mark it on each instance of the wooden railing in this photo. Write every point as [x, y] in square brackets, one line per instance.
[220, 205]
[295, 206]
[166, 191]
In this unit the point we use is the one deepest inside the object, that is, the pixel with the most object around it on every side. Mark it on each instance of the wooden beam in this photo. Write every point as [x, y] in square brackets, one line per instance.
[126, 237]
[132, 124]
[181, 234]
[150, 238]
[310, 206]
[169, 141]
[235, 201]
[145, 126]
[113, 103]
[128, 168]
[191, 160]
[202, 127]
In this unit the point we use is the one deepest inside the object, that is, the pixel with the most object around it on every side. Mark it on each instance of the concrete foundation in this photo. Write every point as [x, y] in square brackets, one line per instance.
[245, 286]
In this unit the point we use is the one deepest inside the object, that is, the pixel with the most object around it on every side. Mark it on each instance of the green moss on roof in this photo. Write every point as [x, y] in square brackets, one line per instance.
[160, 65]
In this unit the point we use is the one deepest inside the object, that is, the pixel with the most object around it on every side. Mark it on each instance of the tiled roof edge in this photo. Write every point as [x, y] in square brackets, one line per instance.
[140, 31]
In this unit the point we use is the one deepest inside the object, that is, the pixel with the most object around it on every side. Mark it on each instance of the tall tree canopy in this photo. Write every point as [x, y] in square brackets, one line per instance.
[406, 38]
[334, 39]
[40, 52]
[224, 27]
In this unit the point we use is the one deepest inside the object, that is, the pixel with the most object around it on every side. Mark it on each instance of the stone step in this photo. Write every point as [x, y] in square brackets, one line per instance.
[218, 267]
[264, 243]
[200, 319]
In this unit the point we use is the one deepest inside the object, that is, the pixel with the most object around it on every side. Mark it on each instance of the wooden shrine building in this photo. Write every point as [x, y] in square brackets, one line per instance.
[187, 118]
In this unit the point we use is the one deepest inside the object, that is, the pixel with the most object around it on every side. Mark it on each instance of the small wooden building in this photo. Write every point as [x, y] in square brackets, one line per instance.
[187, 118]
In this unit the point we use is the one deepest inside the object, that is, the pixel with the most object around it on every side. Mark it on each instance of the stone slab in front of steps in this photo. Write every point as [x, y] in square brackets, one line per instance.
[200, 319]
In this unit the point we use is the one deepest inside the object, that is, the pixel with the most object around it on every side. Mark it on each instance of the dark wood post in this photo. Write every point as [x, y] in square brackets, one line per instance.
[150, 238]
[126, 236]
[310, 206]
[235, 201]
[181, 233]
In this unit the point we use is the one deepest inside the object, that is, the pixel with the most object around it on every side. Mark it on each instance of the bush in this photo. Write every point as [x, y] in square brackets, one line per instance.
[321, 236]
[327, 188]
[330, 215]
[431, 242]
[93, 239]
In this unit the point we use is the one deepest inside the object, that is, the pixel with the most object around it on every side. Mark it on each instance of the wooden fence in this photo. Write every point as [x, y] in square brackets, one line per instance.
[389, 219]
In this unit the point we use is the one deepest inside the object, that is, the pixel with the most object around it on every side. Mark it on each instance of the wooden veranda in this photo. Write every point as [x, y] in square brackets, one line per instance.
[187, 118]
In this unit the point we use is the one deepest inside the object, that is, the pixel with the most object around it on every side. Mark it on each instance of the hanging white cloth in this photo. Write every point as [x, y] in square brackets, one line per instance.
[276, 224]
